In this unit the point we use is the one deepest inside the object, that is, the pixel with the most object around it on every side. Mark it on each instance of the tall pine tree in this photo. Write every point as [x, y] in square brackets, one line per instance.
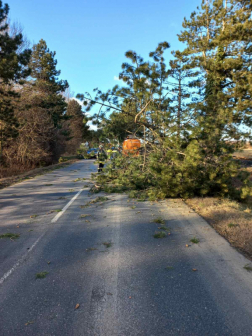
[218, 43]
[77, 125]
[13, 69]
[46, 81]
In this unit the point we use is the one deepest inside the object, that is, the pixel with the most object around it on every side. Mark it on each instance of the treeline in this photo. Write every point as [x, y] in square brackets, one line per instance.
[191, 113]
[38, 119]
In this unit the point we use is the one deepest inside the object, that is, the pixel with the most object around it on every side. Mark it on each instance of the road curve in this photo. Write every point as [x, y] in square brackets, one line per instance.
[106, 273]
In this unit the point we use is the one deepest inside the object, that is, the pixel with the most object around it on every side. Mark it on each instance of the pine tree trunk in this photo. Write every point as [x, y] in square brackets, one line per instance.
[179, 109]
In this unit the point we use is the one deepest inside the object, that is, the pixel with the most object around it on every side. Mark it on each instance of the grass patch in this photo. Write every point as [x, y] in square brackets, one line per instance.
[41, 275]
[230, 225]
[169, 268]
[107, 244]
[48, 185]
[62, 197]
[246, 153]
[248, 268]
[133, 207]
[194, 240]
[33, 216]
[71, 190]
[9, 235]
[159, 234]
[159, 220]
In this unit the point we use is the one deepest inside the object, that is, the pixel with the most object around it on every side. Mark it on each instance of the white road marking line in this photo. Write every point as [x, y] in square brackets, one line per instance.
[19, 262]
[54, 220]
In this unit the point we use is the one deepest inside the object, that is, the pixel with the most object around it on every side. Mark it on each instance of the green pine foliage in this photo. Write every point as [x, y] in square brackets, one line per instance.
[13, 69]
[176, 175]
[43, 69]
[76, 125]
[218, 42]
[192, 114]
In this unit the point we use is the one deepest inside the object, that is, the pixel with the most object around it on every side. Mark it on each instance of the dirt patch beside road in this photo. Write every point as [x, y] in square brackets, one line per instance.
[229, 218]
[8, 181]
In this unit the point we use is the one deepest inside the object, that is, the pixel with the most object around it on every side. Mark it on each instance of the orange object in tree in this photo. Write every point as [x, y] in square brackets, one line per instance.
[131, 146]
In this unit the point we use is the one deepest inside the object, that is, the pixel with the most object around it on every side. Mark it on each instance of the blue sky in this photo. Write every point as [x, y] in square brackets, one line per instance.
[91, 37]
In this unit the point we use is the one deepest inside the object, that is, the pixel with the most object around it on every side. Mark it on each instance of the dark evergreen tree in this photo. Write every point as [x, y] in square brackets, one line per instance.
[43, 70]
[13, 69]
[182, 96]
[77, 125]
[218, 42]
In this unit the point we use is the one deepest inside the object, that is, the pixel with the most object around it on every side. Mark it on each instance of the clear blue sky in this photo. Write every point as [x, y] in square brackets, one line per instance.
[91, 37]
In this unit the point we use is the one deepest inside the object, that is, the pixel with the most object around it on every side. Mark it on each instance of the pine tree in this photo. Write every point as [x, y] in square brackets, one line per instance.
[13, 69]
[216, 64]
[43, 70]
[144, 96]
[218, 39]
[119, 125]
[182, 96]
[77, 125]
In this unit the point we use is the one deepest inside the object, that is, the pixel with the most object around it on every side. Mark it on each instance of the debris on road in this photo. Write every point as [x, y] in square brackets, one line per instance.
[41, 275]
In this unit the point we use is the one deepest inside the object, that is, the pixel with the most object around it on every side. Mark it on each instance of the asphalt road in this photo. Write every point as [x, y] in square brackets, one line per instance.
[107, 274]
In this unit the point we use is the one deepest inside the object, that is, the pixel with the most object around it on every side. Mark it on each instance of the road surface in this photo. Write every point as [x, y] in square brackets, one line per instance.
[106, 273]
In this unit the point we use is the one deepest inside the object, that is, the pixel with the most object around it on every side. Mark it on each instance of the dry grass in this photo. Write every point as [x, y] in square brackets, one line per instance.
[8, 181]
[244, 154]
[231, 219]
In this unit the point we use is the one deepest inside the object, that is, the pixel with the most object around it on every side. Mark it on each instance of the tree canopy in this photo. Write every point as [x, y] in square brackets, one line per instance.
[13, 69]
[36, 125]
[191, 110]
